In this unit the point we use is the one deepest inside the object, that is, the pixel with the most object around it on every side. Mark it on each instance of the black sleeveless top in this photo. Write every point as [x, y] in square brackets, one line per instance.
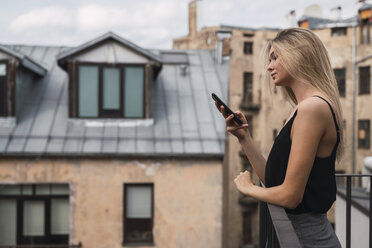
[320, 191]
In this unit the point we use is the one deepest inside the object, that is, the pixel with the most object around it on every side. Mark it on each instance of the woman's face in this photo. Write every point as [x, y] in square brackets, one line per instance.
[277, 72]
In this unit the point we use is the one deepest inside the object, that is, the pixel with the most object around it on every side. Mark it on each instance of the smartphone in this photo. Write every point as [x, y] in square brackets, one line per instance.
[227, 109]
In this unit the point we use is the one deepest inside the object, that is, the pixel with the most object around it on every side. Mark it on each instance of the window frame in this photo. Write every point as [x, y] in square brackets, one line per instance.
[103, 114]
[48, 237]
[366, 142]
[6, 89]
[366, 89]
[338, 31]
[139, 242]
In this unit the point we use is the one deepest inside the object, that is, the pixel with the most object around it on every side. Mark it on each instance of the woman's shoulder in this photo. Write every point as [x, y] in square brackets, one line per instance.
[314, 108]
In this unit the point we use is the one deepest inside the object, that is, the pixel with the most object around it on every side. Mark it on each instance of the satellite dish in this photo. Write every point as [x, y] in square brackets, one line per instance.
[313, 10]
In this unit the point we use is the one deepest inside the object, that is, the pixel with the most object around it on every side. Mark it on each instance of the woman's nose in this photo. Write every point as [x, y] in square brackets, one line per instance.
[270, 67]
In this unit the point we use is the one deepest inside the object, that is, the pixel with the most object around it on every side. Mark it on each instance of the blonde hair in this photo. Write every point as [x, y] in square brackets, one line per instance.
[305, 58]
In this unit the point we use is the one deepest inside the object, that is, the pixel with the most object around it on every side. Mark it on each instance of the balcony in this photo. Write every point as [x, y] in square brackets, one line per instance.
[276, 229]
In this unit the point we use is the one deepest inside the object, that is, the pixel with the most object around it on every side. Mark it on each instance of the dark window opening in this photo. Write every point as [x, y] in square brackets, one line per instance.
[3, 89]
[248, 47]
[364, 134]
[364, 80]
[365, 31]
[340, 78]
[138, 213]
[248, 35]
[111, 91]
[247, 228]
[335, 32]
[34, 214]
[248, 87]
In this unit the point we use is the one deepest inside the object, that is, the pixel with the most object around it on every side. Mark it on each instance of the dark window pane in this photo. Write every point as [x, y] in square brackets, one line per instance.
[338, 32]
[134, 92]
[88, 91]
[248, 87]
[364, 80]
[340, 78]
[138, 230]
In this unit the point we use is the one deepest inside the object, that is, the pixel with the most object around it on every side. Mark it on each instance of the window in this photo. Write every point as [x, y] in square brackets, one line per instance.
[364, 80]
[250, 124]
[248, 47]
[363, 134]
[340, 78]
[365, 30]
[138, 213]
[110, 91]
[248, 35]
[3, 89]
[248, 87]
[34, 214]
[335, 32]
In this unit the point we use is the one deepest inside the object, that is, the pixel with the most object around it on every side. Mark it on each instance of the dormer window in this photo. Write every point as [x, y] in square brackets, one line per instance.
[3, 87]
[110, 77]
[110, 91]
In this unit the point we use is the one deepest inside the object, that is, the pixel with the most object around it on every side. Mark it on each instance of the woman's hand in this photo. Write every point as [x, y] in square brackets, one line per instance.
[231, 126]
[244, 182]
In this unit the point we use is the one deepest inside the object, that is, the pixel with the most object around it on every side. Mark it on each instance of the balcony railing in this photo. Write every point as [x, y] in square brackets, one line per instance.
[276, 229]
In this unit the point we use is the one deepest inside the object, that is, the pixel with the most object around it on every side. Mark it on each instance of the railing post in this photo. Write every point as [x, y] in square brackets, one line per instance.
[370, 211]
[348, 211]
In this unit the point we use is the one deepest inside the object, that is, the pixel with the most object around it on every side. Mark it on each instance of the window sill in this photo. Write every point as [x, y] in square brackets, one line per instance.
[9, 122]
[122, 122]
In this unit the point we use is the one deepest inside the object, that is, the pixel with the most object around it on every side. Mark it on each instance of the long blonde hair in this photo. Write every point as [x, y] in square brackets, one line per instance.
[306, 59]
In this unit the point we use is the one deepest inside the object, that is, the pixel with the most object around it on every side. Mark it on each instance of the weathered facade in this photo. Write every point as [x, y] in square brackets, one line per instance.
[84, 165]
[249, 92]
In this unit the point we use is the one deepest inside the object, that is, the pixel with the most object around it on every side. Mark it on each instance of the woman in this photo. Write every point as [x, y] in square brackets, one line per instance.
[299, 173]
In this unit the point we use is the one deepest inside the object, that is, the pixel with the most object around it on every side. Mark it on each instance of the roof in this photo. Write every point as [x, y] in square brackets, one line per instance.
[110, 35]
[359, 198]
[185, 120]
[223, 26]
[26, 61]
[317, 22]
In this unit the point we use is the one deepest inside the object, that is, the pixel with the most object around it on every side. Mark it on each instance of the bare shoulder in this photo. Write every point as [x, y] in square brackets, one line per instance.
[314, 110]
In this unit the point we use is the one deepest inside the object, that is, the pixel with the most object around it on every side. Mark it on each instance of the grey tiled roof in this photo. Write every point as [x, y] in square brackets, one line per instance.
[185, 120]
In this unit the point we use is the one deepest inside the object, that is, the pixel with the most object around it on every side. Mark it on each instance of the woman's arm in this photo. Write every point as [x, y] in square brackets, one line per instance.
[253, 154]
[307, 129]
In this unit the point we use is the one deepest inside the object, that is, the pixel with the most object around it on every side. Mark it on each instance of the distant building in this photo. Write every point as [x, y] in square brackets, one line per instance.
[110, 145]
[249, 93]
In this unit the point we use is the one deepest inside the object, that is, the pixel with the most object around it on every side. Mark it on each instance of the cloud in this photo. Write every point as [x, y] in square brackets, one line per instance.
[97, 17]
[53, 16]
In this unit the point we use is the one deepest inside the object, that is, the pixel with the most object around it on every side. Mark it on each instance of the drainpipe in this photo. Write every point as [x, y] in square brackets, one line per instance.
[353, 59]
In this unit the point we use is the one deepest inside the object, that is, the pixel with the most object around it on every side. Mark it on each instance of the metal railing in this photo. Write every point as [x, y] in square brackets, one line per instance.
[276, 229]
[42, 246]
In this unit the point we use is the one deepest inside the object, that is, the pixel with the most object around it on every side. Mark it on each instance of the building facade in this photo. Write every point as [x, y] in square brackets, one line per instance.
[110, 145]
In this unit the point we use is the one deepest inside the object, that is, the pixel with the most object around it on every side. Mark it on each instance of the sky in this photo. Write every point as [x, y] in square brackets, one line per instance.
[148, 23]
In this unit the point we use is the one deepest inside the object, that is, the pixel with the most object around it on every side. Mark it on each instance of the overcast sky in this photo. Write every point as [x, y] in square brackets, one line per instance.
[148, 23]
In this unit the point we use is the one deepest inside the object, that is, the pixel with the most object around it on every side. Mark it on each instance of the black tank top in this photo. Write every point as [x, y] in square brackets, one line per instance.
[320, 191]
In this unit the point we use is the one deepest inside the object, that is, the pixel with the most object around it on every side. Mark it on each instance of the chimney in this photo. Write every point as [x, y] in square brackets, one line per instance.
[336, 13]
[221, 35]
[193, 18]
[291, 19]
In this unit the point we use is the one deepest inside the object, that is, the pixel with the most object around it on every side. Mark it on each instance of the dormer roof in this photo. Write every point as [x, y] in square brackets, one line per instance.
[64, 56]
[25, 61]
